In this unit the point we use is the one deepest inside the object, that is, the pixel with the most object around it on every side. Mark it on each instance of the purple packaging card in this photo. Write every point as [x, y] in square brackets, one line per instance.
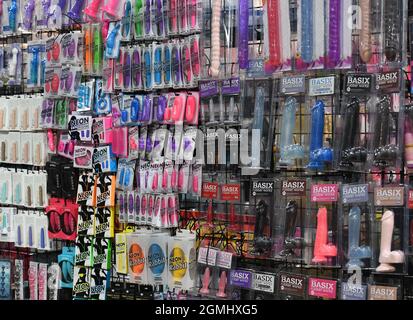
[240, 278]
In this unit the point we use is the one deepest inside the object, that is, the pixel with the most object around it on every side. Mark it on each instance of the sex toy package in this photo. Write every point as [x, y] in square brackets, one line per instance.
[289, 218]
[321, 224]
[352, 128]
[384, 119]
[262, 202]
[389, 204]
[292, 124]
[357, 214]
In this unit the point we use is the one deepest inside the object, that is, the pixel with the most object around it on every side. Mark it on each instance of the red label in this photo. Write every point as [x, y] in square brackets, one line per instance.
[210, 190]
[322, 288]
[410, 199]
[324, 193]
[230, 192]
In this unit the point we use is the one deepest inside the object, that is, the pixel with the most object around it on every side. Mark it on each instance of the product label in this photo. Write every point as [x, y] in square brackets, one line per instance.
[322, 288]
[255, 67]
[292, 284]
[209, 190]
[388, 81]
[208, 88]
[156, 261]
[231, 86]
[263, 282]
[262, 187]
[240, 278]
[321, 86]
[382, 293]
[290, 85]
[389, 196]
[80, 123]
[224, 259]
[230, 192]
[101, 154]
[353, 292]
[324, 192]
[207, 256]
[293, 187]
[358, 83]
[355, 193]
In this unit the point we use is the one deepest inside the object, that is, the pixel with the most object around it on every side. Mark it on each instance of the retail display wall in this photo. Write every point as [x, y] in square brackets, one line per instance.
[204, 150]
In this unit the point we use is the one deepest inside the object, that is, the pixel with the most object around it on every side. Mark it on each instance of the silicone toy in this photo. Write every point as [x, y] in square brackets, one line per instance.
[334, 42]
[215, 38]
[97, 49]
[13, 63]
[195, 57]
[288, 150]
[191, 109]
[167, 64]
[158, 65]
[383, 151]
[349, 151]
[274, 32]
[318, 154]
[126, 20]
[365, 47]
[205, 281]
[392, 23]
[13, 15]
[408, 136]
[50, 138]
[93, 8]
[45, 7]
[162, 103]
[136, 69]
[183, 17]
[356, 252]
[291, 242]
[322, 249]
[28, 15]
[147, 17]
[222, 283]
[135, 109]
[88, 50]
[258, 122]
[262, 242]
[176, 65]
[186, 64]
[148, 69]
[243, 34]
[173, 21]
[112, 7]
[126, 70]
[137, 22]
[76, 10]
[307, 18]
[159, 19]
[388, 257]
[34, 66]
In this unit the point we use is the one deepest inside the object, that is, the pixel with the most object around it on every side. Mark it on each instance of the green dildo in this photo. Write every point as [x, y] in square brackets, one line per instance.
[138, 21]
[97, 49]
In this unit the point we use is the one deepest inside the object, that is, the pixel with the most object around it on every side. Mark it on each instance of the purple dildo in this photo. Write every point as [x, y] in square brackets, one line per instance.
[76, 10]
[334, 41]
[28, 15]
[243, 34]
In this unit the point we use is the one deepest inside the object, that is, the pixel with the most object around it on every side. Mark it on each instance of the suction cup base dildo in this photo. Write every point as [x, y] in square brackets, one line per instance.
[356, 252]
[388, 257]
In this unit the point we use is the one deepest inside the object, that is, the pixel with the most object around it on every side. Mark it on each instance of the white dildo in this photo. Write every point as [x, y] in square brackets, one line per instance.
[13, 62]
